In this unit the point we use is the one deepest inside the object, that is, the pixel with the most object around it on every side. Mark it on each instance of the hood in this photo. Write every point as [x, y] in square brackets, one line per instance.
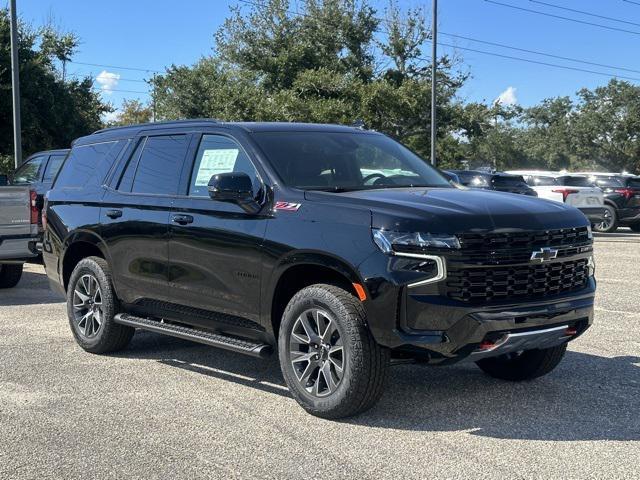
[453, 210]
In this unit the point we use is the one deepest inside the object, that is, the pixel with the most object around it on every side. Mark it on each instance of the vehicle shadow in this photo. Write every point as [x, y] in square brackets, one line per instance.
[587, 397]
[33, 289]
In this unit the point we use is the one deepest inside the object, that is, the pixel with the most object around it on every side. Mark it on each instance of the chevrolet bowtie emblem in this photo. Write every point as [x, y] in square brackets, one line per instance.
[544, 254]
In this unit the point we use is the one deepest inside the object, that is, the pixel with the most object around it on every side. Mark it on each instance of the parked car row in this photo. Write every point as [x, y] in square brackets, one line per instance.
[608, 200]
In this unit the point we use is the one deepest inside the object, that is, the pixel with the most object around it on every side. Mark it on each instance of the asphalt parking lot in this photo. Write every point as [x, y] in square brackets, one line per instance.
[166, 408]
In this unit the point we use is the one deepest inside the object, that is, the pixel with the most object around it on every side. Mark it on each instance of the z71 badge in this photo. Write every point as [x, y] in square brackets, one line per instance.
[287, 207]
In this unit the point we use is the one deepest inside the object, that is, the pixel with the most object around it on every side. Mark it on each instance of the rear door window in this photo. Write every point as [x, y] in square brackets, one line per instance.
[28, 172]
[88, 165]
[55, 162]
[160, 163]
[539, 181]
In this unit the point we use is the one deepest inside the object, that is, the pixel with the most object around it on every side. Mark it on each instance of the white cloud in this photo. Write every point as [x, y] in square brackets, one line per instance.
[108, 81]
[111, 116]
[508, 97]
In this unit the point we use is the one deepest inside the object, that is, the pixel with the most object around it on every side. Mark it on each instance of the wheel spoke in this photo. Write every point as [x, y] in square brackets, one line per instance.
[336, 355]
[308, 329]
[328, 377]
[306, 374]
[83, 297]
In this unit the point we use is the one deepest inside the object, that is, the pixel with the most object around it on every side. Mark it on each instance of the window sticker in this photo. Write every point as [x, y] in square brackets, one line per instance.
[214, 162]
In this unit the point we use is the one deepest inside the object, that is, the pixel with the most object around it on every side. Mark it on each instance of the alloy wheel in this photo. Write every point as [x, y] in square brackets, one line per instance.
[316, 352]
[87, 306]
[607, 220]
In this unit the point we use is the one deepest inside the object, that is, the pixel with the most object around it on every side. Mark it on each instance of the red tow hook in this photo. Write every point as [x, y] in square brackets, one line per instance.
[570, 331]
[486, 345]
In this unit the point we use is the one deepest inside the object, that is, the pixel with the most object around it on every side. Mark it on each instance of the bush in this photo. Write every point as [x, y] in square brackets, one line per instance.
[6, 164]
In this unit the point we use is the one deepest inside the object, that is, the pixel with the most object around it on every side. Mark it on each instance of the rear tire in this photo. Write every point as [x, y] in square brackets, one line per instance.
[330, 361]
[610, 222]
[527, 365]
[10, 274]
[91, 306]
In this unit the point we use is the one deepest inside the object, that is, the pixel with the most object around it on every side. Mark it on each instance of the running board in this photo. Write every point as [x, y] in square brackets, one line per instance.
[248, 347]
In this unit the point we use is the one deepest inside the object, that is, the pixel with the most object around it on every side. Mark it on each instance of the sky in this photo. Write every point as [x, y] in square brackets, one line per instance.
[151, 35]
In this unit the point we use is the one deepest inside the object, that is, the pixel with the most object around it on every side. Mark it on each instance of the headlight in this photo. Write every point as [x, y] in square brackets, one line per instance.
[394, 242]
[589, 232]
[591, 266]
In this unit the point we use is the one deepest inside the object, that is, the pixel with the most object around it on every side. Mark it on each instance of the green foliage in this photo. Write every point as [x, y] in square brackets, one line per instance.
[54, 111]
[318, 66]
[132, 112]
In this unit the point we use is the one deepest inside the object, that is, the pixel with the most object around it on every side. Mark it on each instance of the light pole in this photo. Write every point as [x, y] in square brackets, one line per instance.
[15, 86]
[434, 45]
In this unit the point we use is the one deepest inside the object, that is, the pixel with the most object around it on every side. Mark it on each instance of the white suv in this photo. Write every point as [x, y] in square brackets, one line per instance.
[573, 189]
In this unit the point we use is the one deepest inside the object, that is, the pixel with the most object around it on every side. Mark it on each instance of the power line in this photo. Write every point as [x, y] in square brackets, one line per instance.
[582, 12]
[566, 67]
[79, 76]
[630, 1]
[120, 67]
[536, 52]
[569, 19]
[109, 90]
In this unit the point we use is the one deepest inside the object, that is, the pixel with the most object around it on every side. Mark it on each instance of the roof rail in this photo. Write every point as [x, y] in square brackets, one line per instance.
[164, 122]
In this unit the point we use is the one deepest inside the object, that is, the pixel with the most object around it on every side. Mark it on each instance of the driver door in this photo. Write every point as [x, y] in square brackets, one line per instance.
[215, 253]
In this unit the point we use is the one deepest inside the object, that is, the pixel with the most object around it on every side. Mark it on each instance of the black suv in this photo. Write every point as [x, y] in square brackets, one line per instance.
[498, 181]
[621, 201]
[337, 247]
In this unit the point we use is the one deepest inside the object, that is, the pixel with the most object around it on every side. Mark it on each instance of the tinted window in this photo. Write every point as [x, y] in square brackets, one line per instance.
[55, 162]
[634, 182]
[160, 163]
[575, 181]
[543, 181]
[473, 179]
[127, 177]
[508, 181]
[333, 161]
[28, 172]
[609, 182]
[88, 165]
[218, 154]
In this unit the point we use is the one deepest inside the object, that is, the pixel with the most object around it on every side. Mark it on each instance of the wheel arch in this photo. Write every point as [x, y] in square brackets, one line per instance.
[80, 245]
[301, 270]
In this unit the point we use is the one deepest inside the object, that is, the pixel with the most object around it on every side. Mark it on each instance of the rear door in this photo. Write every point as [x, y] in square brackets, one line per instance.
[135, 216]
[215, 253]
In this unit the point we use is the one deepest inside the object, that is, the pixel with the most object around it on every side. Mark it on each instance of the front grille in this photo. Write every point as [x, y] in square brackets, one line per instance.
[516, 282]
[516, 247]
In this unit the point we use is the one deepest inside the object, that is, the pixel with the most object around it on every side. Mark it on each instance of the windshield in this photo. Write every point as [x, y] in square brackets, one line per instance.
[345, 161]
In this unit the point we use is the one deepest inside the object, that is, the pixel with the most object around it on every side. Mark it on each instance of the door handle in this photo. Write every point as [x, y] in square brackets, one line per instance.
[182, 219]
[114, 213]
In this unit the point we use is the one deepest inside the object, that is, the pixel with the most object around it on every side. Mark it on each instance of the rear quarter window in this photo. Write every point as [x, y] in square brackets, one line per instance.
[88, 165]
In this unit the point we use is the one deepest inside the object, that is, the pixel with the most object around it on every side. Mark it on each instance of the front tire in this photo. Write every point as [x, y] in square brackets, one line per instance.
[331, 363]
[526, 365]
[610, 222]
[10, 274]
[91, 306]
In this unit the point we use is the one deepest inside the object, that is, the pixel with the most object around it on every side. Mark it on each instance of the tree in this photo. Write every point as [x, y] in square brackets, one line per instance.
[318, 65]
[132, 113]
[54, 111]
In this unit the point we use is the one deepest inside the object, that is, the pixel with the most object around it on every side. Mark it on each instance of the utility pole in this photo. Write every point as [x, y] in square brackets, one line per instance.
[153, 100]
[434, 51]
[15, 86]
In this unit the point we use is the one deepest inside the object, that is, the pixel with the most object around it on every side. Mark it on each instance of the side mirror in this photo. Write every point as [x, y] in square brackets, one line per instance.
[4, 180]
[234, 187]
